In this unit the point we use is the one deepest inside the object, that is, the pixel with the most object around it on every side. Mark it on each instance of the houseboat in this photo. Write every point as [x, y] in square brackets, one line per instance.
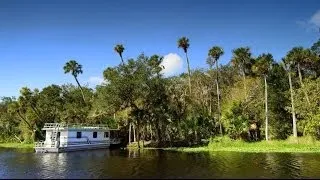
[61, 137]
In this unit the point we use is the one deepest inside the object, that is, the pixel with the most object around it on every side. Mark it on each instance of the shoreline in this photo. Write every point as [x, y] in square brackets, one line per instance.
[236, 146]
[230, 149]
[17, 145]
[226, 145]
[243, 150]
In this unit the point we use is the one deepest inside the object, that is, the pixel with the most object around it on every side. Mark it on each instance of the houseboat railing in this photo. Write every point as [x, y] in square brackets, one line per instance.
[39, 144]
[64, 125]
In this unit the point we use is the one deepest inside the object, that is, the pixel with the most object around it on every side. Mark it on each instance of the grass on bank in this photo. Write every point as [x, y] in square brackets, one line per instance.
[17, 145]
[300, 144]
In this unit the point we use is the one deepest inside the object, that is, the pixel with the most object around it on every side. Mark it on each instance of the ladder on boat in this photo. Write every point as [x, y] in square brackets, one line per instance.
[54, 135]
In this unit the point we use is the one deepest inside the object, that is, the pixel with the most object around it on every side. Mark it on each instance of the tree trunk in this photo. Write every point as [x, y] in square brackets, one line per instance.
[244, 84]
[294, 121]
[29, 125]
[210, 107]
[138, 134]
[151, 132]
[80, 88]
[266, 104]
[129, 132]
[143, 135]
[218, 96]
[196, 135]
[134, 133]
[24, 119]
[189, 73]
[302, 84]
[158, 132]
[17, 137]
[121, 59]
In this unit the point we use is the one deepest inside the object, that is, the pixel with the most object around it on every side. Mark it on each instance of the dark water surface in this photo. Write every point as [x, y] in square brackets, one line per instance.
[157, 164]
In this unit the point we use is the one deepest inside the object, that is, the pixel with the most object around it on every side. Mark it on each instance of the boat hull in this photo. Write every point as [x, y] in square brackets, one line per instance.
[71, 148]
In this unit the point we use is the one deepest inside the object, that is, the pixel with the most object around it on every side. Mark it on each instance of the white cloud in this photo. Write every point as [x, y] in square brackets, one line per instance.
[172, 63]
[313, 24]
[95, 80]
[315, 19]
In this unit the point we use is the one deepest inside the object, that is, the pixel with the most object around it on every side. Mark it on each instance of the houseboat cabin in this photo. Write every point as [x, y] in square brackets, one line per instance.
[62, 137]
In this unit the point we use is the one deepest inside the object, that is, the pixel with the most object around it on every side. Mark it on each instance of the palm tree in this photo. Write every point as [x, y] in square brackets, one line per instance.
[287, 63]
[240, 59]
[75, 69]
[214, 55]
[299, 56]
[262, 67]
[184, 44]
[119, 49]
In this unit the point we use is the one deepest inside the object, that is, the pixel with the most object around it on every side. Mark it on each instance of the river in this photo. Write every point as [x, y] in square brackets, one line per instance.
[157, 164]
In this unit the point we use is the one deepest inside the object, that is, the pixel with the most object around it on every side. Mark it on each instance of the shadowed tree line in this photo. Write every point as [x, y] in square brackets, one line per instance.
[249, 98]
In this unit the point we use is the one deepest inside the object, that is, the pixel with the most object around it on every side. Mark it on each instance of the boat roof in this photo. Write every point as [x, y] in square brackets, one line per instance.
[52, 126]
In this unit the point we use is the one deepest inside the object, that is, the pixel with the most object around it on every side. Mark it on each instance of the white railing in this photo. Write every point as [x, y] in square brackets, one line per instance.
[39, 144]
[51, 125]
[80, 126]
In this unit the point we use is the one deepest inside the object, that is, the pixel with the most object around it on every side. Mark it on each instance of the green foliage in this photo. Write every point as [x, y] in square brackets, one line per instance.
[301, 144]
[242, 60]
[263, 64]
[162, 109]
[214, 54]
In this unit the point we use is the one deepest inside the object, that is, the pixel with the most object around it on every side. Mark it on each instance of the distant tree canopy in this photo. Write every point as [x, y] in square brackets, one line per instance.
[273, 99]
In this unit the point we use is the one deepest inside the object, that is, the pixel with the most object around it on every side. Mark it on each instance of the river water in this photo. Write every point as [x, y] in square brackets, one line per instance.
[157, 164]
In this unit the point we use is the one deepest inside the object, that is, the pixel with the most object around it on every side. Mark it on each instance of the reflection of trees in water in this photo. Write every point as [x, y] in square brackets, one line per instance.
[226, 164]
[284, 165]
[253, 165]
[141, 163]
[52, 165]
[133, 153]
[63, 165]
[309, 165]
[160, 164]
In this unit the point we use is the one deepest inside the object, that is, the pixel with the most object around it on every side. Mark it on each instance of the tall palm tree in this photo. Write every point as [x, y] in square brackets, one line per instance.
[214, 54]
[262, 67]
[287, 63]
[183, 43]
[240, 59]
[119, 49]
[299, 56]
[75, 69]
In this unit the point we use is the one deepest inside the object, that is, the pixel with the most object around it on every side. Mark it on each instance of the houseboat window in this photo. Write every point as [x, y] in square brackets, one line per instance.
[106, 134]
[94, 134]
[78, 134]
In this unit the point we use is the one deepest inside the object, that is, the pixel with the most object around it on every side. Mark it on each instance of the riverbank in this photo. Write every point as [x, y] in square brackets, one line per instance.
[299, 145]
[16, 145]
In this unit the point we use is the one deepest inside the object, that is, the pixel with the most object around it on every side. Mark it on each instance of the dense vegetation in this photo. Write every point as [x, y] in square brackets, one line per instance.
[250, 98]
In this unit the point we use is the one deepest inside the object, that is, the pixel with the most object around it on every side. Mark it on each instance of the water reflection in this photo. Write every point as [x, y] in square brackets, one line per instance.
[52, 165]
[158, 164]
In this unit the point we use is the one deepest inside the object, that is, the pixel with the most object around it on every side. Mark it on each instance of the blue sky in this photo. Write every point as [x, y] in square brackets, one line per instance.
[38, 37]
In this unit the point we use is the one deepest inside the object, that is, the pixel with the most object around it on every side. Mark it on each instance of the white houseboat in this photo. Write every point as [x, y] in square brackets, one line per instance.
[62, 137]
